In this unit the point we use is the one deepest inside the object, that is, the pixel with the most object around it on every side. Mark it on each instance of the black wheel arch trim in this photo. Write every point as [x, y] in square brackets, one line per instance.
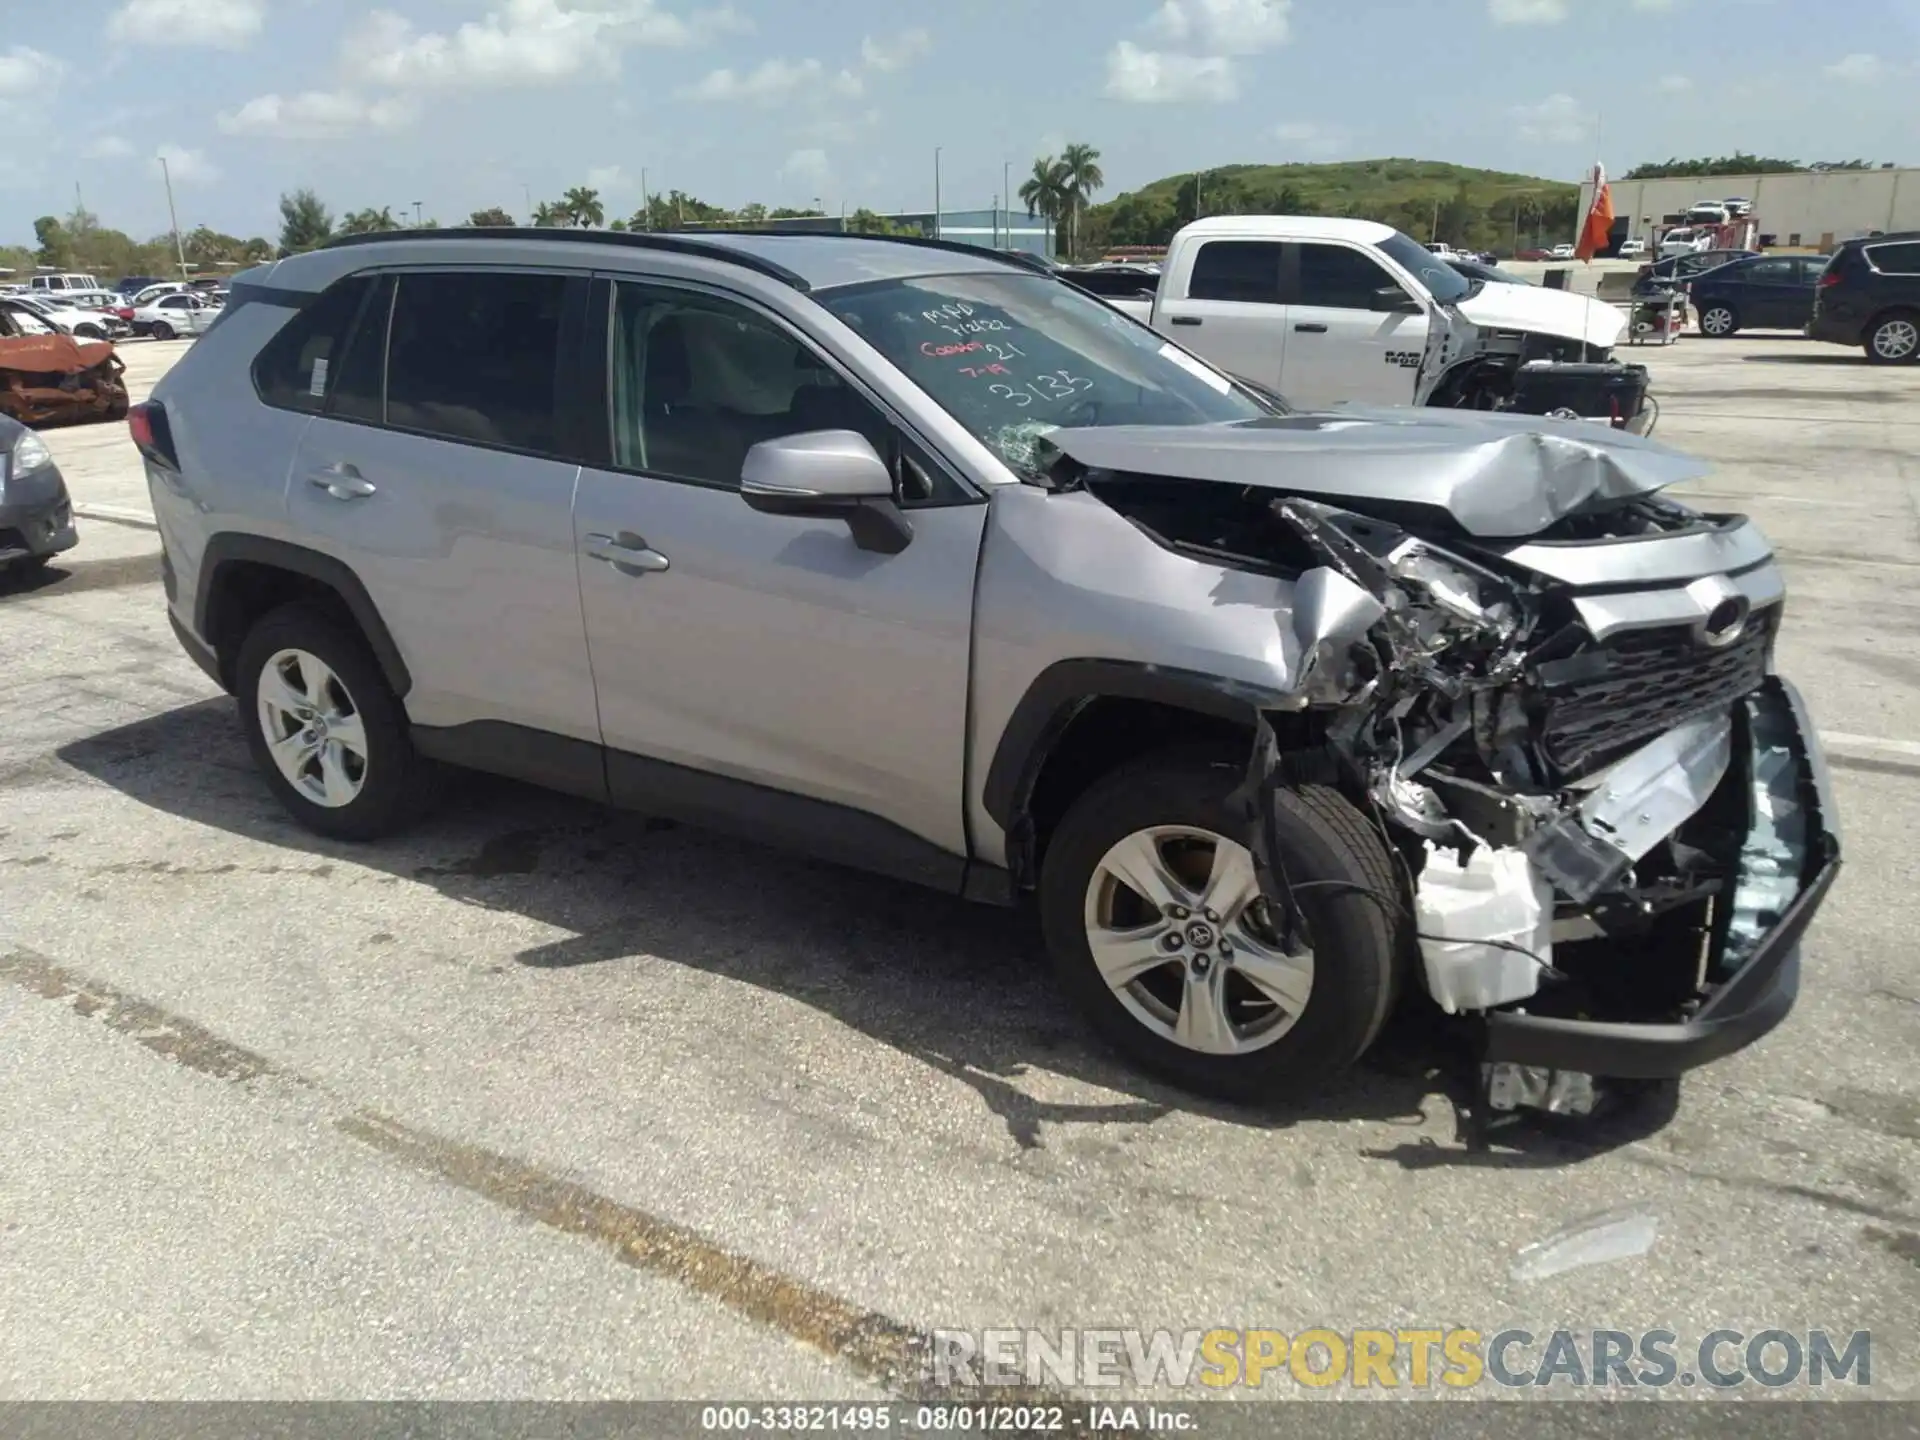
[1059, 693]
[229, 548]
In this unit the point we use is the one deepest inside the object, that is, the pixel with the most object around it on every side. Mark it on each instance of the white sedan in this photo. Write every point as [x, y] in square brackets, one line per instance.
[171, 315]
[70, 320]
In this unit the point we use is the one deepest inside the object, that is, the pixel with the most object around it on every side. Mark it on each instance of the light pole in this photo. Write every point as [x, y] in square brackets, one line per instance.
[936, 192]
[173, 217]
[1006, 196]
[646, 204]
[416, 214]
[526, 192]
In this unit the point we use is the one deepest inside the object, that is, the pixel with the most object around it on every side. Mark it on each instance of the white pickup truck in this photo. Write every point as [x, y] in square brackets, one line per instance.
[1330, 311]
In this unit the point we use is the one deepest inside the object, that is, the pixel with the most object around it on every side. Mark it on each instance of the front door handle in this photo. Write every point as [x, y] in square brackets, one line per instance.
[1185, 319]
[627, 553]
[342, 482]
[1306, 328]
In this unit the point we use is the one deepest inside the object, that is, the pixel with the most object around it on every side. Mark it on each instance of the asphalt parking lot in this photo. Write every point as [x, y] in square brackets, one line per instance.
[549, 1102]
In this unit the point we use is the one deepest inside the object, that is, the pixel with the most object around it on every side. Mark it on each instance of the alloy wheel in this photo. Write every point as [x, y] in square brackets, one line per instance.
[1180, 931]
[1896, 339]
[1717, 321]
[313, 728]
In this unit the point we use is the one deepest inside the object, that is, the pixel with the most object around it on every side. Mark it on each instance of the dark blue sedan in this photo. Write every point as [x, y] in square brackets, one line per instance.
[1765, 292]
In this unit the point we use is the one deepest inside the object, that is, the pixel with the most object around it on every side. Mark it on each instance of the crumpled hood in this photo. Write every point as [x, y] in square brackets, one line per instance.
[52, 354]
[1497, 475]
[1540, 311]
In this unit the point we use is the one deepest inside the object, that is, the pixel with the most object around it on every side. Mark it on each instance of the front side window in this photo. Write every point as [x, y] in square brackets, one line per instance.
[1339, 278]
[697, 381]
[1012, 355]
[1243, 270]
[474, 355]
[1770, 272]
[1901, 259]
[1443, 282]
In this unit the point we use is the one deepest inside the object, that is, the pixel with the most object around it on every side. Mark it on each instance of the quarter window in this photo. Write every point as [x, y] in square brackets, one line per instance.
[474, 356]
[1243, 270]
[292, 371]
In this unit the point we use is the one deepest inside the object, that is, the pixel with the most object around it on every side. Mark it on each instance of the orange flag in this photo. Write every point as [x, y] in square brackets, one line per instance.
[1599, 224]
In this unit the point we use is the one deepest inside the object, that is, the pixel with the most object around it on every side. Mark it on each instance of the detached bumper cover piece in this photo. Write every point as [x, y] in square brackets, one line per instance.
[1787, 864]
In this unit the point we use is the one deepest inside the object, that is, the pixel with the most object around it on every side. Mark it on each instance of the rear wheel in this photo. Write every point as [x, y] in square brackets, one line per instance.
[1718, 321]
[324, 727]
[1894, 339]
[1160, 931]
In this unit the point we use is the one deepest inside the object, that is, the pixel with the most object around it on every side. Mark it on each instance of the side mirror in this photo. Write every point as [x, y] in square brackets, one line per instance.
[827, 474]
[1394, 301]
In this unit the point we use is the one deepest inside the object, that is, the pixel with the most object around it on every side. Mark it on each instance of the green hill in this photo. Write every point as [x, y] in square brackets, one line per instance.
[1429, 199]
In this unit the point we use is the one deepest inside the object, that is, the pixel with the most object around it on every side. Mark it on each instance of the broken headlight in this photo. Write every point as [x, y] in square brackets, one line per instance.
[1459, 590]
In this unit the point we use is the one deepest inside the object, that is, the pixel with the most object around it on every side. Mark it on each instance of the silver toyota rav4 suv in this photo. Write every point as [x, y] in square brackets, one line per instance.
[913, 557]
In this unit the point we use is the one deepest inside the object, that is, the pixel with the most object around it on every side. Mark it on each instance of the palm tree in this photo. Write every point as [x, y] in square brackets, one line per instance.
[547, 213]
[582, 206]
[1080, 177]
[1044, 191]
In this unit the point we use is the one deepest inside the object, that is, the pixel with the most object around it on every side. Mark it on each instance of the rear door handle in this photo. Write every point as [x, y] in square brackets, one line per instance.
[1306, 328]
[1184, 319]
[342, 482]
[627, 553]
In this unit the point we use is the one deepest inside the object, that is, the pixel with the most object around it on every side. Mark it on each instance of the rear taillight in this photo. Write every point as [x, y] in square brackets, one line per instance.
[1828, 278]
[152, 435]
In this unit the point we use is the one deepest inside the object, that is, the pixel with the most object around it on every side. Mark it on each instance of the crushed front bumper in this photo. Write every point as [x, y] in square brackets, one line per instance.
[1755, 959]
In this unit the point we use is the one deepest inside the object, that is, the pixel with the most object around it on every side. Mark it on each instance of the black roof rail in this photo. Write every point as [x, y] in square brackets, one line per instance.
[678, 243]
[926, 242]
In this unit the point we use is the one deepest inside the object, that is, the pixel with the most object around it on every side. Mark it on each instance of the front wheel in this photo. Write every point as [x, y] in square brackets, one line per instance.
[1718, 321]
[324, 727]
[1160, 931]
[1894, 339]
[89, 332]
[161, 330]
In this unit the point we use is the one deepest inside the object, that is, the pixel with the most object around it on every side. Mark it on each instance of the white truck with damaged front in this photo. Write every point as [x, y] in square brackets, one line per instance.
[1332, 311]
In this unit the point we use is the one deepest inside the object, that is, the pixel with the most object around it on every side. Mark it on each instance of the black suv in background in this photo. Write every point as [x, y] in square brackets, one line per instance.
[1869, 296]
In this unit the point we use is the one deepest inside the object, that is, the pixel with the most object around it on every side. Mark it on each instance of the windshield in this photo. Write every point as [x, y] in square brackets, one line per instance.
[1444, 282]
[1013, 356]
[28, 323]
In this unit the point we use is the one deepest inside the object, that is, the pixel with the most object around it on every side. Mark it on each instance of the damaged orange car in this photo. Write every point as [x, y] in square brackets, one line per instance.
[50, 378]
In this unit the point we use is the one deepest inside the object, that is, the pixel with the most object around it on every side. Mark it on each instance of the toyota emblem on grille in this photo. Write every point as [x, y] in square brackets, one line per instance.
[1724, 611]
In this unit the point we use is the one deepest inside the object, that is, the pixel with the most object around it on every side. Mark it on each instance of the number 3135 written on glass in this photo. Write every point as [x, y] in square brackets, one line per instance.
[1056, 385]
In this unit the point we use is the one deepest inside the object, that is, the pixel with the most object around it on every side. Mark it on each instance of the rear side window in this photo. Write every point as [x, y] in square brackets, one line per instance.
[293, 371]
[474, 356]
[359, 383]
[1902, 259]
[1777, 271]
[1245, 270]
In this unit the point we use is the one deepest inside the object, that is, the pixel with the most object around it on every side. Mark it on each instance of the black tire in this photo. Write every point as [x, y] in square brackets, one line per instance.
[1873, 343]
[161, 330]
[1354, 916]
[398, 783]
[1732, 322]
[89, 332]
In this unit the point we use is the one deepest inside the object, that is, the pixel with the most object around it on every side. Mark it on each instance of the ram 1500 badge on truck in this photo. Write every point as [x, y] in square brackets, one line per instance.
[914, 558]
[1331, 312]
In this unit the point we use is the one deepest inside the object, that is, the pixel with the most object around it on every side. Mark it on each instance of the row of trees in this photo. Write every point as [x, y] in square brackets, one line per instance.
[1738, 163]
[78, 241]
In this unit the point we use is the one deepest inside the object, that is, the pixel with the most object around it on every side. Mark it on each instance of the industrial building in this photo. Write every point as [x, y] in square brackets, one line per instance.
[1800, 209]
[992, 229]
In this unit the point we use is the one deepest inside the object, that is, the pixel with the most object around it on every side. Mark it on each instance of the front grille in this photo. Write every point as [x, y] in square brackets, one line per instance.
[1654, 680]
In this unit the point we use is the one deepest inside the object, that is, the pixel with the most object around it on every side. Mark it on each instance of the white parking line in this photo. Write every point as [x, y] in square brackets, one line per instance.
[1840, 741]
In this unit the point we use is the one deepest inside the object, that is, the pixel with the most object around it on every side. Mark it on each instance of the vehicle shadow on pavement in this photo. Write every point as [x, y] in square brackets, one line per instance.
[1841, 359]
[965, 989]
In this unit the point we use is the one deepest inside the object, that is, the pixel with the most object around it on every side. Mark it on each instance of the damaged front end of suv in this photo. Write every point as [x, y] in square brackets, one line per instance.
[1551, 690]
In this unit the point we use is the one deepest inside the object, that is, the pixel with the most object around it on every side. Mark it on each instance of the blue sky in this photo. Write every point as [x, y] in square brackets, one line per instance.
[467, 103]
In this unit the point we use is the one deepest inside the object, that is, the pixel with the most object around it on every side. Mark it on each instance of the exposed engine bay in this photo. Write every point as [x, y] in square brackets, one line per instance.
[1554, 695]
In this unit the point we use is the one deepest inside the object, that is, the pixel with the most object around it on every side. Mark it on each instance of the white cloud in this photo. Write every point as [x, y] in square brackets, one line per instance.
[607, 178]
[1156, 77]
[773, 81]
[106, 147]
[807, 168]
[227, 24]
[1224, 27]
[1675, 84]
[523, 43]
[24, 71]
[1527, 12]
[189, 167]
[1858, 69]
[897, 52]
[1556, 120]
[317, 115]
